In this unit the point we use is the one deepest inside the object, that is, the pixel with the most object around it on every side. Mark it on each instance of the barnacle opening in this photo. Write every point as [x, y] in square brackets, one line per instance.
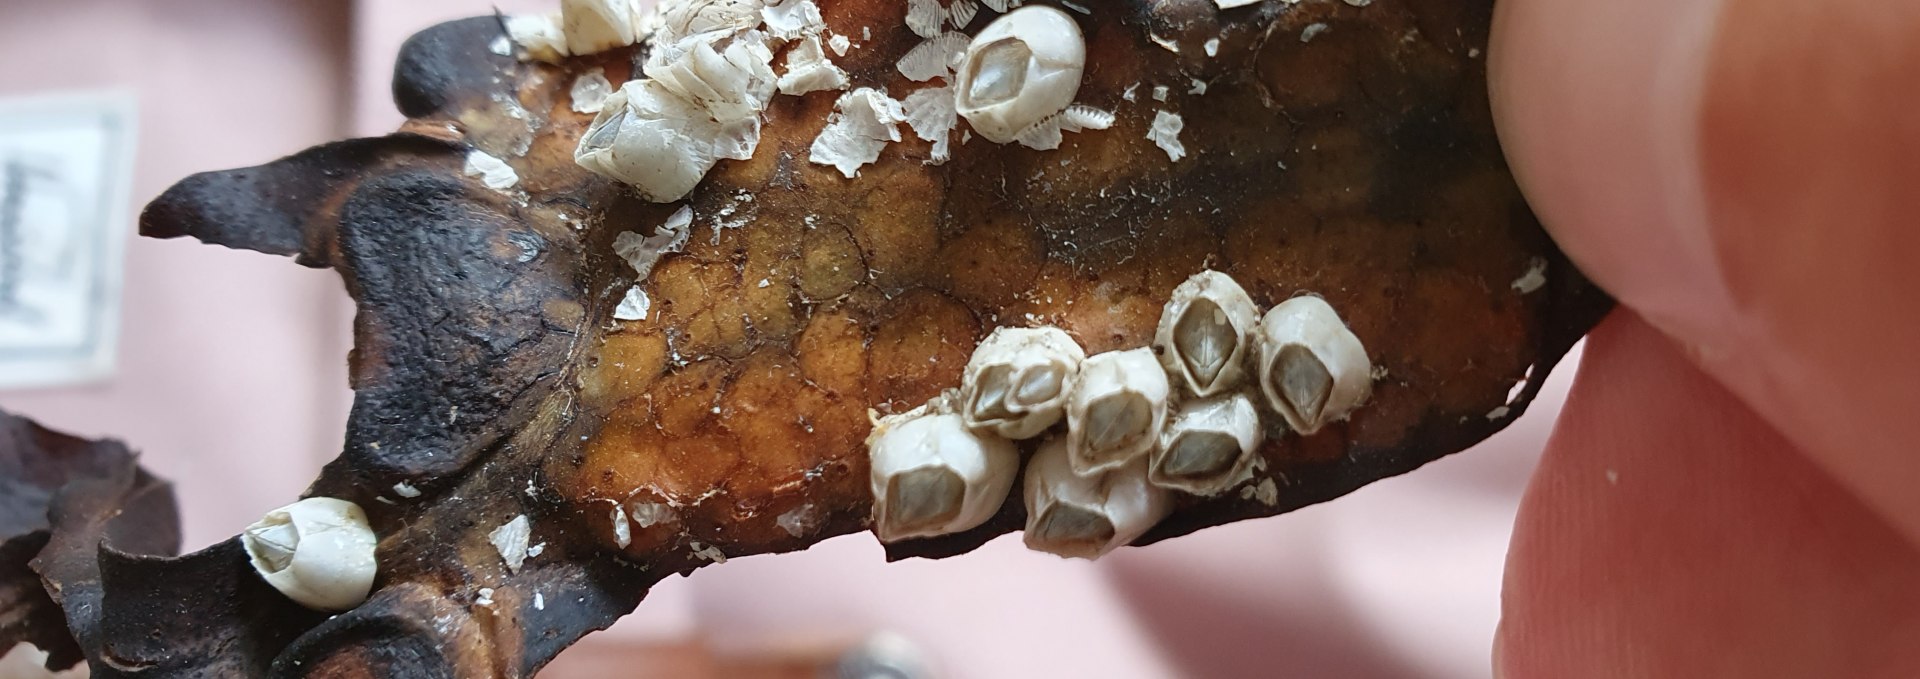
[990, 396]
[1199, 455]
[1204, 340]
[1040, 384]
[924, 499]
[998, 72]
[272, 542]
[1067, 529]
[1304, 382]
[1117, 421]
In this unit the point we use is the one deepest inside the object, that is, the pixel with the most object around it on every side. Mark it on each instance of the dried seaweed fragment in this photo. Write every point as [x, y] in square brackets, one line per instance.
[493, 378]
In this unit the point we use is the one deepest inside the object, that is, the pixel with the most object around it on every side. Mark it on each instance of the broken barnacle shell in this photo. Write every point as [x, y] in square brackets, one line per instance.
[596, 25]
[318, 552]
[932, 476]
[1116, 411]
[1018, 380]
[1206, 333]
[1020, 70]
[682, 18]
[539, 34]
[1312, 369]
[1210, 446]
[1085, 516]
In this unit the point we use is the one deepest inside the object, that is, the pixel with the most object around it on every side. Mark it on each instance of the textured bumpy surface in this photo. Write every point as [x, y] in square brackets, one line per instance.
[1338, 150]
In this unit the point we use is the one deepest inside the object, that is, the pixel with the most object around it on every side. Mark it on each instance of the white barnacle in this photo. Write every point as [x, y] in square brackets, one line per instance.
[961, 12]
[931, 475]
[1085, 516]
[510, 540]
[1206, 333]
[622, 533]
[1312, 369]
[539, 35]
[700, 102]
[809, 70]
[596, 25]
[318, 552]
[1116, 412]
[862, 123]
[1211, 445]
[1020, 69]
[1017, 383]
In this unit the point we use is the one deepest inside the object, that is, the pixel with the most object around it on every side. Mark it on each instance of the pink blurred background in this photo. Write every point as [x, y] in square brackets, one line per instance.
[232, 380]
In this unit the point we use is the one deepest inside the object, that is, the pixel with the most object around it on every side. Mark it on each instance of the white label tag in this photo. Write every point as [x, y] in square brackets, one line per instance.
[66, 163]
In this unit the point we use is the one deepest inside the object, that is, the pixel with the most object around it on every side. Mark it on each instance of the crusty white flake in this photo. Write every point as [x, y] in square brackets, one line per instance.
[493, 172]
[590, 91]
[1165, 133]
[862, 123]
[840, 44]
[642, 252]
[1160, 92]
[1211, 46]
[925, 17]
[1045, 135]
[406, 490]
[1311, 31]
[808, 69]
[935, 57]
[961, 12]
[596, 25]
[1535, 276]
[792, 19]
[634, 306]
[930, 113]
[510, 539]
[1199, 87]
[501, 46]
[622, 533]
[1230, 4]
[1000, 5]
[539, 35]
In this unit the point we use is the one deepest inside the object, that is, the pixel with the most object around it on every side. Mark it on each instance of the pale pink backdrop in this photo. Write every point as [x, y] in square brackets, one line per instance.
[231, 379]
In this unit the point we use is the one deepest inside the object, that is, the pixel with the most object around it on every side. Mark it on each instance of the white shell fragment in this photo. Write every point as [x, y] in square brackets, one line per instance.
[590, 91]
[1312, 369]
[1230, 4]
[1210, 446]
[596, 25]
[642, 252]
[682, 18]
[1045, 135]
[622, 533]
[1018, 381]
[839, 44]
[1165, 133]
[406, 490]
[1206, 333]
[539, 35]
[932, 476]
[634, 306]
[493, 172]
[318, 552]
[935, 57]
[924, 17]
[1020, 70]
[510, 539]
[792, 19]
[1080, 516]
[862, 124]
[809, 70]
[930, 114]
[1116, 411]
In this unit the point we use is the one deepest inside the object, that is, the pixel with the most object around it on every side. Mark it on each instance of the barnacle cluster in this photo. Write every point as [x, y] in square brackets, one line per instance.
[1130, 436]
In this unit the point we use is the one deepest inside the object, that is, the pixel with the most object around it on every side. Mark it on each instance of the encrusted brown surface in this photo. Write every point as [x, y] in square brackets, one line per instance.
[1359, 165]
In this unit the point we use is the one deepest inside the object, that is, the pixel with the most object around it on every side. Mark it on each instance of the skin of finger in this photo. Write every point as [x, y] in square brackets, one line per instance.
[1670, 532]
[1743, 174]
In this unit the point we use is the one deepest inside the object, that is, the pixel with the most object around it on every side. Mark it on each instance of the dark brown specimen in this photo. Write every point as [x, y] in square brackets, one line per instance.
[1354, 159]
